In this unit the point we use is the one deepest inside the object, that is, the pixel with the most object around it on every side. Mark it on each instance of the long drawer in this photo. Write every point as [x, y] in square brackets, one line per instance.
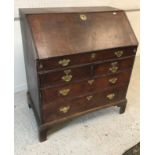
[67, 107]
[85, 87]
[90, 57]
[80, 73]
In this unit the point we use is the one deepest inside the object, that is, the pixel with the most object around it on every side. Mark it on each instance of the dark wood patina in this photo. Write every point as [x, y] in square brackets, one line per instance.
[77, 60]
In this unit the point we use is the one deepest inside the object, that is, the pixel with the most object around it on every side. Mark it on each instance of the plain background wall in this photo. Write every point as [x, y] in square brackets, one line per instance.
[19, 69]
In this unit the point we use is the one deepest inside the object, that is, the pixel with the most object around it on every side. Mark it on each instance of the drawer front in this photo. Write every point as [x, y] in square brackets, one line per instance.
[71, 60]
[114, 66]
[65, 76]
[58, 110]
[85, 87]
[80, 73]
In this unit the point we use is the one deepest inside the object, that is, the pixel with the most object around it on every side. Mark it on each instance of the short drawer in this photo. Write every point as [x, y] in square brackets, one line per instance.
[65, 76]
[85, 87]
[65, 108]
[114, 66]
[78, 59]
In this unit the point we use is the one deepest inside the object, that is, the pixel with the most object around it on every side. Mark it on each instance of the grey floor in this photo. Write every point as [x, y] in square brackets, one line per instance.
[104, 132]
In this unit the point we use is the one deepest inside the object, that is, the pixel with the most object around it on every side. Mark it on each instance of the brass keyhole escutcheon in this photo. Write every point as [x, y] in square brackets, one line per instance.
[89, 98]
[67, 78]
[119, 53]
[113, 80]
[83, 17]
[64, 62]
[113, 69]
[64, 92]
[111, 96]
[90, 82]
[64, 109]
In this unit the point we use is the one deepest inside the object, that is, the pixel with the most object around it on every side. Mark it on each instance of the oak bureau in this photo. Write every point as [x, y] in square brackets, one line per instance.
[77, 60]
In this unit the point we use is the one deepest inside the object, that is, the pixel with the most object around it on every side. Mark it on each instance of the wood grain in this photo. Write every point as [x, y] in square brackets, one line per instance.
[87, 49]
[64, 34]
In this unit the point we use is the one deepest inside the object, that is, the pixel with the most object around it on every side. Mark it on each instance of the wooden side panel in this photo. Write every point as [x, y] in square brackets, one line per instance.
[30, 57]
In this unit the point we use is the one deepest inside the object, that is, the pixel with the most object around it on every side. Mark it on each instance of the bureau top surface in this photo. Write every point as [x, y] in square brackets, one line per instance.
[58, 34]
